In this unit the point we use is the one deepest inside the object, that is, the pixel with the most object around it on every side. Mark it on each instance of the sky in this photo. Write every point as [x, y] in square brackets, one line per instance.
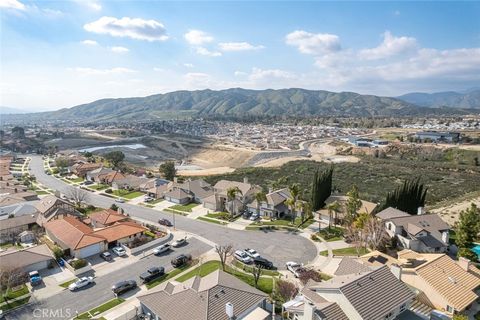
[57, 54]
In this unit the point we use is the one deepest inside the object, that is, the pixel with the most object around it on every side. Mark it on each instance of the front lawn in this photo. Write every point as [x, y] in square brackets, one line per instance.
[285, 222]
[100, 309]
[248, 269]
[212, 221]
[14, 304]
[67, 283]
[167, 276]
[350, 251]
[334, 234]
[41, 192]
[23, 290]
[127, 194]
[76, 180]
[184, 208]
[202, 270]
[99, 187]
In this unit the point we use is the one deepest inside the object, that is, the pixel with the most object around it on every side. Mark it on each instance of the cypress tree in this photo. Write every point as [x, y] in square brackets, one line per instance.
[321, 188]
[407, 197]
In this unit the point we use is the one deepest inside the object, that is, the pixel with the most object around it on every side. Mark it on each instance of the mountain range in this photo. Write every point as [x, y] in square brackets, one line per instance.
[289, 102]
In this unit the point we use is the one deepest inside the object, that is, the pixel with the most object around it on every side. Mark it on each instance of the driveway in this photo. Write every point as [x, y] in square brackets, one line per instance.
[277, 246]
[66, 304]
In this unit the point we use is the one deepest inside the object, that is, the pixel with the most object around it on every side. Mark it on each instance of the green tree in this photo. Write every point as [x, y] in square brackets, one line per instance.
[408, 197]
[231, 196]
[467, 230]
[321, 188]
[115, 158]
[259, 197]
[61, 163]
[333, 207]
[168, 170]
[459, 317]
[352, 205]
[294, 190]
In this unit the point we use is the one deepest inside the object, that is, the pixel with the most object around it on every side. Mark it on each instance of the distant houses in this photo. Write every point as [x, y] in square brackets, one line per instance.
[438, 136]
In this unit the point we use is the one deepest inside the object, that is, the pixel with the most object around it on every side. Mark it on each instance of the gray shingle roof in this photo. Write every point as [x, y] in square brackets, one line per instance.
[350, 266]
[26, 257]
[432, 223]
[390, 213]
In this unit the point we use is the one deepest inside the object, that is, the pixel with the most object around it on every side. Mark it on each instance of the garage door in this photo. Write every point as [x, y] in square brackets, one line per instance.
[37, 266]
[90, 250]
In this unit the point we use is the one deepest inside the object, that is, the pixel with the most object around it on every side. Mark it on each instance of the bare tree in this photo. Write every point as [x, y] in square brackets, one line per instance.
[224, 251]
[9, 278]
[376, 235]
[256, 271]
[286, 290]
[308, 274]
[77, 195]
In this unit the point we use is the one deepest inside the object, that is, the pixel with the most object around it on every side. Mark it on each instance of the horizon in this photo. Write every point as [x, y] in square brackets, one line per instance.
[72, 53]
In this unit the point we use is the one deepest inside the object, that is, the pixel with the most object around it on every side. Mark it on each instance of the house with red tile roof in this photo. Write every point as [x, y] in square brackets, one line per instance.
[106, 218]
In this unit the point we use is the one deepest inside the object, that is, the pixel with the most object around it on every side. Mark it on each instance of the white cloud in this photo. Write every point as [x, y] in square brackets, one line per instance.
[238, 46]
[188, 65]
[91, 4]
[313, 43]
[205, 52]
[93, 71]
[12, 4]
[198, 80]
[90, 42]
[390, 46]
[135, 28]
[268, 74]
[158, 69]
[240, 73]
[119, 49]
[197, 37]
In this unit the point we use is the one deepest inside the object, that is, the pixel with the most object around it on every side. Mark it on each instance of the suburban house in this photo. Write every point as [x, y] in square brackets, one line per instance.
[188, 191]
[111, 177]
[219, 201]
[51, 208]
[129, 182]
[30, 259]
[206, 298]
[442, 283]
[106, 218]
[438, 136]
[158, 191]
[81, 169]
[339, 216]
[15, 219]
[274, 206]
[80, 240]
[421, 233]
[179, 196]
[153, 183]
[371, 295]
[98, 174]
[17, 193]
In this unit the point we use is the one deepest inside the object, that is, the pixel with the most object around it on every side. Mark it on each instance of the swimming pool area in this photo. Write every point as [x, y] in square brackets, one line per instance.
[476, 249]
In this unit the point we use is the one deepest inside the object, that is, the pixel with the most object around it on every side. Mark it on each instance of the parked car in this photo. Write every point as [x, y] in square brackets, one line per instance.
[124, 286]
[35, 278]
[179, 242]
[246, 215]
[262, 262]
[147, 199]
[252, 253]
[88, 182]
[254, 217]
[119, 251]
[242, 257]
[294, 267]
[181, 260]
[119, 200]
[165, 222]
[107, 256]
[161, 249]
[80, 283]
[152, 273]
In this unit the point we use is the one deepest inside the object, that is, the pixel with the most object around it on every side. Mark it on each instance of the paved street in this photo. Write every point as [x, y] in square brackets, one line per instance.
[65, 304]
[277, 246]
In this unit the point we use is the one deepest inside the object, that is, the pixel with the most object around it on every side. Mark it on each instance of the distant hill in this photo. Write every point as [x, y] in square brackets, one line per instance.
[469, 99]
[241, 102]
[8, 110]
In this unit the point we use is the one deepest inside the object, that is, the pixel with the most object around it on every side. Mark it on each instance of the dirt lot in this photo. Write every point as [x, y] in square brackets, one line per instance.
[451, 212]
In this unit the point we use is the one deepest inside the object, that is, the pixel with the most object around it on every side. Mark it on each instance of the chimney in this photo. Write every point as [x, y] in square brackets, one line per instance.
[119, 210]
[175, 179]
[420, 211]
[270, 190]
[245, 180]
[464, 263]
[229, 310]
[397, 271]
[308, 311]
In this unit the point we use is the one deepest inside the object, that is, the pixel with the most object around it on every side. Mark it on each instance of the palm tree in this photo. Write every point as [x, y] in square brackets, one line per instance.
[259, 197]
[306, 210]
[294, 190]
[231, 196]
[332, 207]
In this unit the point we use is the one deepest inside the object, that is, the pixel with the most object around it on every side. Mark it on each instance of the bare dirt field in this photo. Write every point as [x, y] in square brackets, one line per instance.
[450, 213]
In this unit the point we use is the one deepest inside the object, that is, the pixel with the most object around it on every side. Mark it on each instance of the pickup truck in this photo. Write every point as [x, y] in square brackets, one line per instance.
[152, 273]
[35, 278]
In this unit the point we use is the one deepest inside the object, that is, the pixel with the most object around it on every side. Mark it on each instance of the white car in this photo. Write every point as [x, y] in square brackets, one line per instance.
[80, 283]
[254, 217]
[252, 253]
[119, 251]
[119, 200]
[179, 242]
[294, 267]
[147, 199]
[242, 256]
[161, 249]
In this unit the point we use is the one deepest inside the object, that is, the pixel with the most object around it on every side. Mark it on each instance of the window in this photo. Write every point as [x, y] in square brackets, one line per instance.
[388, 316]
[450, 309]
[403, 307]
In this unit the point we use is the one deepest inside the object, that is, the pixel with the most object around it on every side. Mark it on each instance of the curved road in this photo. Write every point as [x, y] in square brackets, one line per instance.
[277, 246]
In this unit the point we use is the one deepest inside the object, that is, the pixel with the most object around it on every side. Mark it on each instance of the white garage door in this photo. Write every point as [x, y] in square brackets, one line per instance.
[90, 250]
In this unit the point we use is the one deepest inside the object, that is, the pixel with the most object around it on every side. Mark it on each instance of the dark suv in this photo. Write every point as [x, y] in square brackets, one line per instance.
[123, 286]
[262, 262]
[152, 273]
[181, 260]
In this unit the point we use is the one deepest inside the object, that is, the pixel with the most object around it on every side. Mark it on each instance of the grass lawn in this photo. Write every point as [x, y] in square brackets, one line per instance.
[184, 208]
[41, 192]
[284, 222]
[23, 290]
[99, 186]
[334, 234]
[202, 270]
[66, 284]
[100, 309]
[247, 268]
[212, 221]
[76, 180]
[350, 251]
[167, 276]
[127, 194]
[15, 304]
[155, 201]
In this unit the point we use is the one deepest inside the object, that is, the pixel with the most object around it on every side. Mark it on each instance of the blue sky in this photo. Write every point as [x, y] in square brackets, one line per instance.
[58, 54]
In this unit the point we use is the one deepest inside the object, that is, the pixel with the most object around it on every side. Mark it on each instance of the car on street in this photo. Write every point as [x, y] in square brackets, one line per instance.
[179, 242]
[262, 262]
[181, 260]
[242, 256]
[123, 286]
[294, 267]
[161, 249]
[119, 200]
[165, 222]
[107, 256]
[119, 251]
[80, 283]
[87, 183]
[152, 273]
[254, 217]
[252, 253]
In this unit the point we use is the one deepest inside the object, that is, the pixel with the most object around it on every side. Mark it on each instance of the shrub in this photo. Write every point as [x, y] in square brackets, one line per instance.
[55, 171]
[308, 274]
[79, 263]
[314, 237]
[81, 210]
[114, 207]
[91, 208]
[109, 190]
[58, 252]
